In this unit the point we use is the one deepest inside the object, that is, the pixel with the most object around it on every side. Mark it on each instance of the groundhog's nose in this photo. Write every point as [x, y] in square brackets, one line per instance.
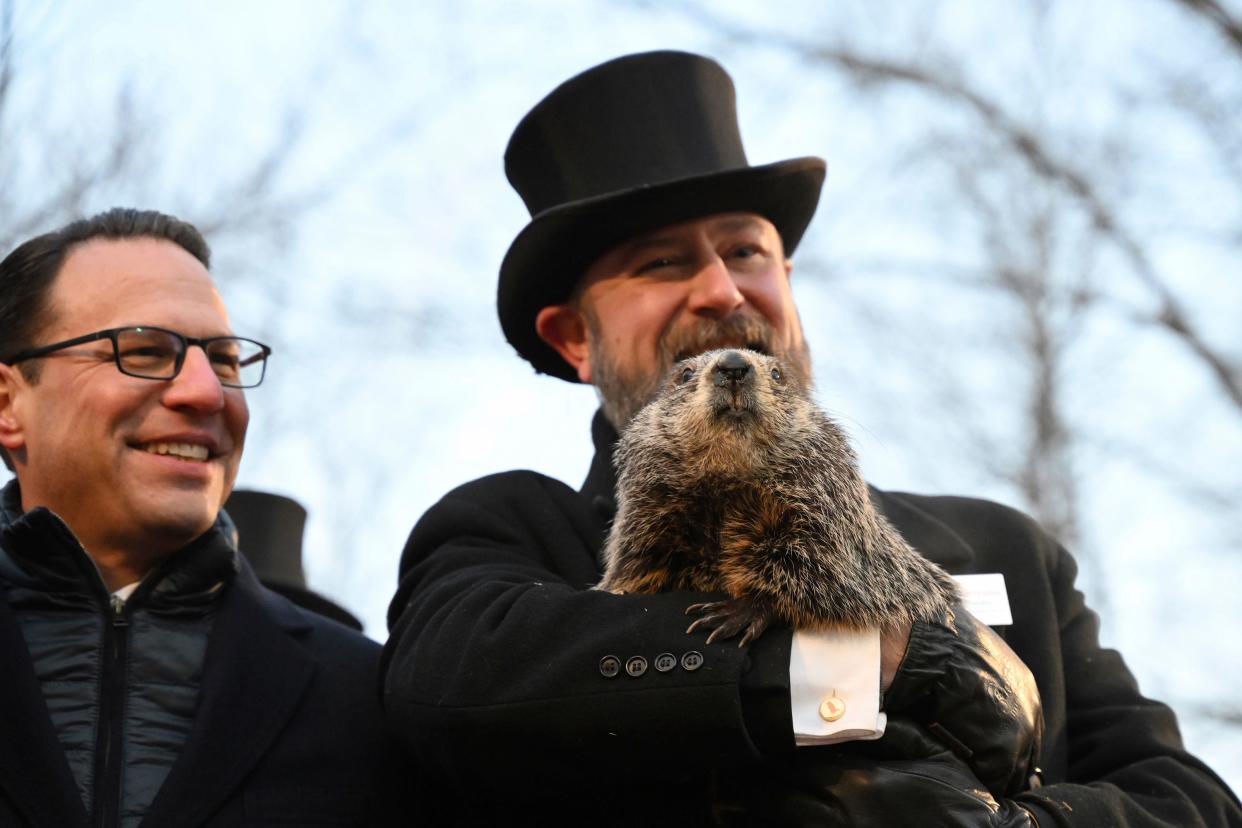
[731, 368]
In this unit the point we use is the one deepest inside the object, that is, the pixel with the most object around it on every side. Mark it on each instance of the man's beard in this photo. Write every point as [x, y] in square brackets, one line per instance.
[623, 391]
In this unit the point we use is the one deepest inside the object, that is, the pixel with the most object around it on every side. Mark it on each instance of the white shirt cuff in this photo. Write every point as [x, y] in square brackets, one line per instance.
[834, 686]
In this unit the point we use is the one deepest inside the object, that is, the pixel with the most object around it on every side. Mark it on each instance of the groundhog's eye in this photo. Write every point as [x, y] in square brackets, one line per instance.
[686, 374]
[776, 374]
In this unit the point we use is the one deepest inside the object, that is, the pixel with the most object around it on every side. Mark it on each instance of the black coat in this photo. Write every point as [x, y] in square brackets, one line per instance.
[495, 671]
[287, 731]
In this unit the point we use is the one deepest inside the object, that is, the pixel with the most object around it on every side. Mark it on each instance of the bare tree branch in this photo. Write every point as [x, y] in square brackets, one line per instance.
[84, 175]
[1228, 25]
[1169, 315]
[1228, 715]
[1216, 116]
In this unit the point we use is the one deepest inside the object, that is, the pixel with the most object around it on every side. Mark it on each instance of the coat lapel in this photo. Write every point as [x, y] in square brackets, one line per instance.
[928, 534]
[33, 772]
[254, 677]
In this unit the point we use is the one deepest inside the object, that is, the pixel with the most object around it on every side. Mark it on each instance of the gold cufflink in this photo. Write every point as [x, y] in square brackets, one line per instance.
[832, 708]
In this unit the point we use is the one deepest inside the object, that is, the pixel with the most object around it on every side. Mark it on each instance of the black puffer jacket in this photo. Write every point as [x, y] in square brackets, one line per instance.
[120, 679]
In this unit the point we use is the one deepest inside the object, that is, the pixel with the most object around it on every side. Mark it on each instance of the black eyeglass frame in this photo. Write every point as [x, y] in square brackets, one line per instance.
[186, 342]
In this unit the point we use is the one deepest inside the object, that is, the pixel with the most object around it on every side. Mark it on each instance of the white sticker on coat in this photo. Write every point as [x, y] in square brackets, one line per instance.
[985, 598]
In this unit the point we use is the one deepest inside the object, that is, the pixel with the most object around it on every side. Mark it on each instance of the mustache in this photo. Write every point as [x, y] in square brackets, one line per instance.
[708, 334]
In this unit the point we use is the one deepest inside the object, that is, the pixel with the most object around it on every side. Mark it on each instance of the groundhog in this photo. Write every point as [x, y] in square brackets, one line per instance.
[733, 480]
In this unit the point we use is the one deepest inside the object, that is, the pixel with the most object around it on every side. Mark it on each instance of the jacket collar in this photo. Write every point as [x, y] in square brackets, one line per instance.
[934, 539]
[41, 556]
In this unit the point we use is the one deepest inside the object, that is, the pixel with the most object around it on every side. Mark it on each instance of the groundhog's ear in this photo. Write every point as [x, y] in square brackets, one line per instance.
[564, 328]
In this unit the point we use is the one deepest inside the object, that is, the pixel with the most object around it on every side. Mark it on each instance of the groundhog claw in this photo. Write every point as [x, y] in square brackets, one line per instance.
[726, 619]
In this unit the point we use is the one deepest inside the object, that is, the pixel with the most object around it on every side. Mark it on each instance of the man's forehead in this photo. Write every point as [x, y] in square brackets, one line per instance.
[715, 226]
[115, 279]
[109, 265]
[624, 256]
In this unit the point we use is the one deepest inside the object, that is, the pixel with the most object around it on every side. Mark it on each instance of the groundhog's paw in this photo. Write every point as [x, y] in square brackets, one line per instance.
[726, 619]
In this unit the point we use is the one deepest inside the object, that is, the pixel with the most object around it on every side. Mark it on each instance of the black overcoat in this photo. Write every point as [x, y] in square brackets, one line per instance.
[288, 729]
[498, 671]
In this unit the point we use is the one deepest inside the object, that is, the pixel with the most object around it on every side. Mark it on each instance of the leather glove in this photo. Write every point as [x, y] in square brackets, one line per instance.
[973, 693]
[908, 778]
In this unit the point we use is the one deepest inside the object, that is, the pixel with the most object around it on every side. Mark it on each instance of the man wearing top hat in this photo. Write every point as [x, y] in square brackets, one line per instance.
[532, 698]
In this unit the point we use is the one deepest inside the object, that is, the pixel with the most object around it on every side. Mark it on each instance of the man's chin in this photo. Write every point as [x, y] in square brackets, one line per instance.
[178, 521]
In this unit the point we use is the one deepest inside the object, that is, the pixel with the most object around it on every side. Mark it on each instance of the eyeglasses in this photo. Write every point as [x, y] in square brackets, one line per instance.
[152, 353]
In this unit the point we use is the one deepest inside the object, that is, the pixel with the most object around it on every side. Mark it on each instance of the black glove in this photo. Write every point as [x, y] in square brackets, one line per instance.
[908, 778]
[972, 692]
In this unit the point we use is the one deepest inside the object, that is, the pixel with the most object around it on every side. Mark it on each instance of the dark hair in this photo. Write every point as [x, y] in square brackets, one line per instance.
[27, 274]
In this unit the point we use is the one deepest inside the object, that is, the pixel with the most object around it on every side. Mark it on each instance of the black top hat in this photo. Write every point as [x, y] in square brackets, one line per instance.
[624, 148]
[269, 533]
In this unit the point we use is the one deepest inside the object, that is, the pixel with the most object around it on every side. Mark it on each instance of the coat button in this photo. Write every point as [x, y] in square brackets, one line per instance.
[636, 666]
[609, 666]
[692, 661]
[665, 662]
[832, 708]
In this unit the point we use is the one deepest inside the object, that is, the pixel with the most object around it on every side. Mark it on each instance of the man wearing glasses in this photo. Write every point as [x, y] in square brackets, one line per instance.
[147, 674]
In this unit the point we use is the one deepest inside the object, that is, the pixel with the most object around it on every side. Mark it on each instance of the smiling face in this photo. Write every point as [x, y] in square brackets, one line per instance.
[719, 281]
[134, 466]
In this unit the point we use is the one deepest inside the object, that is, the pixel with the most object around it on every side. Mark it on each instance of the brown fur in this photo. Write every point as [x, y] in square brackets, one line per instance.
[733, 480]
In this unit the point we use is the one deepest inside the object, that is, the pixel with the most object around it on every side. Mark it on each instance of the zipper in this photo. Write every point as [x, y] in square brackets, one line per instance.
[108, 739]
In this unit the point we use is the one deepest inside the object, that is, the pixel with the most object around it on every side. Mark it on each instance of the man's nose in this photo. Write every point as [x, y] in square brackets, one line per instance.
[196, 386]
[713, 292]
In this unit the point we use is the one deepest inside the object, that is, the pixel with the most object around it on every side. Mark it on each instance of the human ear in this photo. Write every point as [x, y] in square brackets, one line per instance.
[12, 436]
[564, 328]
